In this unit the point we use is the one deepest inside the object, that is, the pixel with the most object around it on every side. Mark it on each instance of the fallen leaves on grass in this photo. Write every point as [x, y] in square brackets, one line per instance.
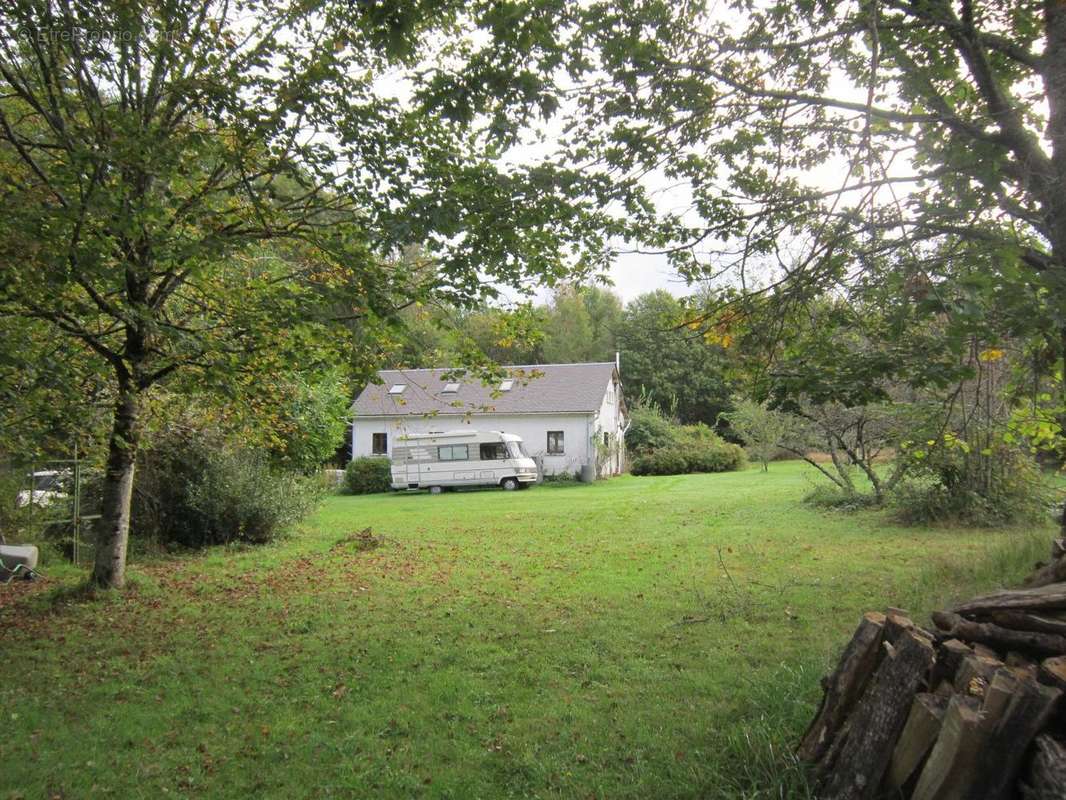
[18, 590]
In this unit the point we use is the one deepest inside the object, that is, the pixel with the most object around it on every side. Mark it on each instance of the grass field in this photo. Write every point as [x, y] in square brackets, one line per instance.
[641, 637]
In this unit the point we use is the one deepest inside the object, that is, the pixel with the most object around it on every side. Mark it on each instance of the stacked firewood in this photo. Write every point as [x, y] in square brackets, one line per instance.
[972, 710]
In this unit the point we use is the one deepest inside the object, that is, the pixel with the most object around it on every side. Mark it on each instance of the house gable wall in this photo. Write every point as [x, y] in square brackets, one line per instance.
[610, 420]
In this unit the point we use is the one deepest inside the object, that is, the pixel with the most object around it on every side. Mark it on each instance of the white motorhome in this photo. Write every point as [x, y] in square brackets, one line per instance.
[461, 458]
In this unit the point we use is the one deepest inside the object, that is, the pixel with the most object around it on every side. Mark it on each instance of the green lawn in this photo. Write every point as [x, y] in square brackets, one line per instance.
[641, 637]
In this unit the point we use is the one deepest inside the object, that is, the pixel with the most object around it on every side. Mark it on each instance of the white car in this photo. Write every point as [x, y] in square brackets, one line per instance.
[47, 487]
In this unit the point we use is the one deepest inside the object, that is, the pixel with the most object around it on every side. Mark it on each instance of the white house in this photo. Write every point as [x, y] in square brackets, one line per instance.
[568, 415]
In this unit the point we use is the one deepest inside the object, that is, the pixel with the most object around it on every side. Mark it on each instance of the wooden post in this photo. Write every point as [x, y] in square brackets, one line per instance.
[996, 636]
[1020, 621]
[1044, 597]
[975, 673]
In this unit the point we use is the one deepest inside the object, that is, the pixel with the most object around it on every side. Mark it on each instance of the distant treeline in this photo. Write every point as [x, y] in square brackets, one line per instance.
[663, 361]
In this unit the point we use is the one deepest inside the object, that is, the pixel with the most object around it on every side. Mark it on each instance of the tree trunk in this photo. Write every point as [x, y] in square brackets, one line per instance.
[112, 534]
[841, 468]
[1053, 200]
[1062, 333]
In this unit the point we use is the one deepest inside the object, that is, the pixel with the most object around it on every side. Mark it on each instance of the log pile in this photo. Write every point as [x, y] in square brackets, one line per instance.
[970, 710]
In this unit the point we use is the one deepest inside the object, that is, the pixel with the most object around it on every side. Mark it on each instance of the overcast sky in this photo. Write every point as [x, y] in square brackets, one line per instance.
[634, 274]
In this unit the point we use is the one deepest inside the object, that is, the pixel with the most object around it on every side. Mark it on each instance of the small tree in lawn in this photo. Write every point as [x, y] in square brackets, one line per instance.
[763, 429]
[187, 182]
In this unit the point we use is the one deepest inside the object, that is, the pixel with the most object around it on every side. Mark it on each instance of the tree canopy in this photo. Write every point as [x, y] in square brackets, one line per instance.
[670, 365]
[193, 185]
[811, 141]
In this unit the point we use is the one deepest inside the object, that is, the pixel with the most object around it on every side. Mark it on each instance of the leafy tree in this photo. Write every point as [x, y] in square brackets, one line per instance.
[816, 136]
[312, 419]
[669, 364]
[189, 183]
[503, 336]
[577, 324]
[51, 389]
[763, 430]
[424, 337]
[581, 324]
[864, 376]
[568, 328]
[605, 313]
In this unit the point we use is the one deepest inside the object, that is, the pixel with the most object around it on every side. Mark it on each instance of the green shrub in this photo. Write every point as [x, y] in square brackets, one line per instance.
[195, 489]
[661, 462]
[650, 430]
[1011, 502]
[706, 451]
[562, 477]
[697, 433]
[368, 474]
[691, 448]
[714, 456]
[739, 457]
[240, 497]
[951, 481]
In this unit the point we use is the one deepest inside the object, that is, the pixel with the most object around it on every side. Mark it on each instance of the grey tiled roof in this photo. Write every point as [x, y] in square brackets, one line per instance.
[538, 389]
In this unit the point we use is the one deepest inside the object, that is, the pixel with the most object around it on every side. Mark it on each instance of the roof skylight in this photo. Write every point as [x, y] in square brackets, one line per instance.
[505, 386]
[397, 388]
[451, 388]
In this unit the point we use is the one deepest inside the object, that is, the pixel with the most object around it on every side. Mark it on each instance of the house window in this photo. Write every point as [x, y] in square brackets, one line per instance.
[379, 445]
[555, 443]
[453, 452]
[606, 439]
[493, 451]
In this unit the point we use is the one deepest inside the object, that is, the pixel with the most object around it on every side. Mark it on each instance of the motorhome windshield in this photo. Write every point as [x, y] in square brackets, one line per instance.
[517, 450]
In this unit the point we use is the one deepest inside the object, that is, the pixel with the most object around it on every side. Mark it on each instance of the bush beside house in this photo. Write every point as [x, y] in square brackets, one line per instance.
[367, 475]
[662, 447]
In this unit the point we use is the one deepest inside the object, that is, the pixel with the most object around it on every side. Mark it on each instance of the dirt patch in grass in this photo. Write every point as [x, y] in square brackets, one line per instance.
[360, 541]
